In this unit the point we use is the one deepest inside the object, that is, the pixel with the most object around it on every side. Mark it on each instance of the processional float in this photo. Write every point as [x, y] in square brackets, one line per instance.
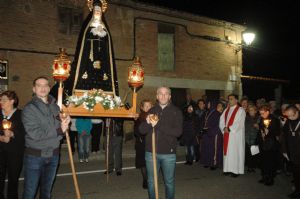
[94, 102]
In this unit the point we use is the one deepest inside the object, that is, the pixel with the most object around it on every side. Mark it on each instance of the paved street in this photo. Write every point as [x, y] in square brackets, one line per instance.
[192, 182]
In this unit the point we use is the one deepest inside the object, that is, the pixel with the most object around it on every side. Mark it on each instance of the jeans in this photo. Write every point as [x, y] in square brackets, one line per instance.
[167, 163]
[39, 170]
[189, 152]
[83, 146]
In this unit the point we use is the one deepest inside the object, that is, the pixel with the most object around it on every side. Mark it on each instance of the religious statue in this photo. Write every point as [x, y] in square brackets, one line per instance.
[94, 65]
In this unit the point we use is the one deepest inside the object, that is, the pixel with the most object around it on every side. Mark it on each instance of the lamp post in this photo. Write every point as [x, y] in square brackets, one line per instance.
[61, 71]
[247, 38]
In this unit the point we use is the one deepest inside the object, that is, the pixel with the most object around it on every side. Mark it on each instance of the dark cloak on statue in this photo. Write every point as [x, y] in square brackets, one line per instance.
[94, 65]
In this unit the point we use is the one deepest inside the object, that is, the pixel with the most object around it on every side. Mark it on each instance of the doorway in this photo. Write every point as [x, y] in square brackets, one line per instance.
[178, 96]
[212, 95]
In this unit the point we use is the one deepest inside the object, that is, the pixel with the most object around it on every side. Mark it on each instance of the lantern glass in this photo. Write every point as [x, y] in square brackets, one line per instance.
[61, 66]
[136, 74]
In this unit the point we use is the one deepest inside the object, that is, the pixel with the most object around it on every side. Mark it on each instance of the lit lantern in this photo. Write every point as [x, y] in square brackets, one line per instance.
[6, 124]
[61, 66]
[136, 74]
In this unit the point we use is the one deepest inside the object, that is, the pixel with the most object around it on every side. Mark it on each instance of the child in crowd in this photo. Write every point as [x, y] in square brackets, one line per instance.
[84, 127]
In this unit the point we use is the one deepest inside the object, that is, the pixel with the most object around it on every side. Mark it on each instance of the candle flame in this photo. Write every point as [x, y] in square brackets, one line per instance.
[267, 122]
[6, 124]
[154, 117]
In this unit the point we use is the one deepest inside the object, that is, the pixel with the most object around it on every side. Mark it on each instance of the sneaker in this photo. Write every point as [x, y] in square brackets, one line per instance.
[86, 160]
[81, 160]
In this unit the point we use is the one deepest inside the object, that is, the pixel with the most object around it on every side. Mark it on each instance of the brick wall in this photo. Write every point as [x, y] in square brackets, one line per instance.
[33, 26]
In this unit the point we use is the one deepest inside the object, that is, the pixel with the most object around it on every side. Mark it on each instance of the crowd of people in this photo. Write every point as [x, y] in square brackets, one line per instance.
[226, 134]
[232, 135]
[235, 134]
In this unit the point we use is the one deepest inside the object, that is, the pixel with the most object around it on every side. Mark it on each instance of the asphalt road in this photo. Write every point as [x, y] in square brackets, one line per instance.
[192, 182]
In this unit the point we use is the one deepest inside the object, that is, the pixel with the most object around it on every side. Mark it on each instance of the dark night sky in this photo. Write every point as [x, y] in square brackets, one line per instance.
[273, 53]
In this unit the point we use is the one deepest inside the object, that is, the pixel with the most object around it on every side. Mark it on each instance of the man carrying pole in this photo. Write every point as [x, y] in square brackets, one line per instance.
[167, 128]
[44, 129]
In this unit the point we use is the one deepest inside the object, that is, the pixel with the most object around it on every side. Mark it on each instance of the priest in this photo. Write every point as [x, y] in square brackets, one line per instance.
[232, 125]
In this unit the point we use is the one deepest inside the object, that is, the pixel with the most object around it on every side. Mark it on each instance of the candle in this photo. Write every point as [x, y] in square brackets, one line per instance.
[267, 122]
[6, 124]
[154, 117]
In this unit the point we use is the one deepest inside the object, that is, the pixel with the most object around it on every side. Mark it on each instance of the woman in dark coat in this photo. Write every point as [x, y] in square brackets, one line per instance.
[212, 139]
[140, 162]
[251, 131]
[11, 144]
[269, 132]
[188, 138]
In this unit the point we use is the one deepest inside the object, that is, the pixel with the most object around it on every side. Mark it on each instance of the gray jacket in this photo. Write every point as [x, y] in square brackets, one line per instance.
[42, 124]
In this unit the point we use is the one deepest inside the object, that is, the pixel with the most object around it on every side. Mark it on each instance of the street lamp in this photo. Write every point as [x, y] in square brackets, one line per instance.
[248, 37]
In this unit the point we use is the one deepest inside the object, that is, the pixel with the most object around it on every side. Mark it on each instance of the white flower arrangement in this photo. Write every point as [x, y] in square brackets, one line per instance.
[90, 98]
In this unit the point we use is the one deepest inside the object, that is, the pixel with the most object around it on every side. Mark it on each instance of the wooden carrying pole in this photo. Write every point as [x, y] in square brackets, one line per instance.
[72, 166]
[154, 164]
[59, 103]
[108, 120]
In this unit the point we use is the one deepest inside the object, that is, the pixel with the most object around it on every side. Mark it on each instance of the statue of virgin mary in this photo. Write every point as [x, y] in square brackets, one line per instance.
[94, 66]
